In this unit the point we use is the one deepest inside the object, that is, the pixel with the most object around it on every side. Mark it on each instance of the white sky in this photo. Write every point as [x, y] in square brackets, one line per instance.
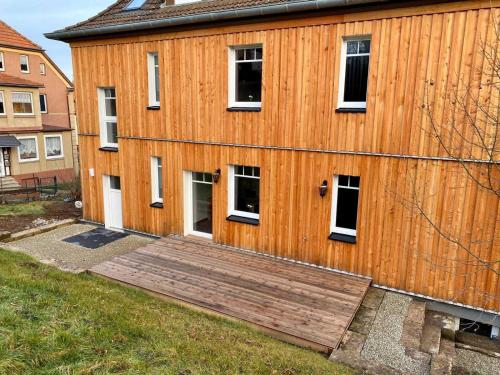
[33, 18]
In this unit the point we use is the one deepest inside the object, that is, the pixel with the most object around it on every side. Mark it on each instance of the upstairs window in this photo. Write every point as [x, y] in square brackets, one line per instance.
[345, 205]
[135, 4]
[42, 69]
[43, 103]
[2, 104]
[25, 65]
[157, 179]
[154, 79]
[244, 191]
[2, 63]
[22, 103]
[108, 120]
[245, 76]
[353, 83]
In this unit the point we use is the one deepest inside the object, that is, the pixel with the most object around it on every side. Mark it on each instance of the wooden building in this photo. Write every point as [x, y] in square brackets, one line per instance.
[298, 129]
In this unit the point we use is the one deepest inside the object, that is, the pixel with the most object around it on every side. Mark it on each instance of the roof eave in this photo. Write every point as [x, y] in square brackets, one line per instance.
[224, 15]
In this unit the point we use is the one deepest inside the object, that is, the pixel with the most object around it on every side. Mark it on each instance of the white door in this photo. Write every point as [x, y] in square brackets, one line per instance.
[198, 204]
[112, 203]
[2, 164]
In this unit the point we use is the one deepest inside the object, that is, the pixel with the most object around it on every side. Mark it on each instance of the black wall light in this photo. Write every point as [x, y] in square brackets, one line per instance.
[216, 175]
[323, 188]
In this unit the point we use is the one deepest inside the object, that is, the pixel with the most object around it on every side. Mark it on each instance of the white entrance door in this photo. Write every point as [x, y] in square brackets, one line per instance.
[198, 204]
[2, 164]
[112, 203]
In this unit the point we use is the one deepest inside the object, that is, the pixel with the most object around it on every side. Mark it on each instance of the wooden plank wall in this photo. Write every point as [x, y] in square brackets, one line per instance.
[394, 245]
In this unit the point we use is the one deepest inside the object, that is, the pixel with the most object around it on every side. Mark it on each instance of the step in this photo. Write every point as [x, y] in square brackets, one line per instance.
[413, 328]
[8, 183]
[442, 363]
[431, 335]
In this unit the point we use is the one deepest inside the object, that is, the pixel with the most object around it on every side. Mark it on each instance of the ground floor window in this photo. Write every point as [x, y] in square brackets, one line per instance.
[244, 191]
[157, 179]
[28, 149]
[53, 146]
[345, 204]
[2, 104]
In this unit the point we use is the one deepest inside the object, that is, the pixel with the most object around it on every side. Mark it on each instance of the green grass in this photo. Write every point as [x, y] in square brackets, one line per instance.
[33, 208]
[53, 322]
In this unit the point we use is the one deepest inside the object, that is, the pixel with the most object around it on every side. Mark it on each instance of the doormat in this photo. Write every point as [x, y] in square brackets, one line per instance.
[95, 238]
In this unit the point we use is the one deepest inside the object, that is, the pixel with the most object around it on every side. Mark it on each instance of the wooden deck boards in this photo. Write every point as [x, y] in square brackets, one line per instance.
[312, 305]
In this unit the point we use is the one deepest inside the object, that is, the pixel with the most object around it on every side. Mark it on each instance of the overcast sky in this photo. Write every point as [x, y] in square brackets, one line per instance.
[33, 18]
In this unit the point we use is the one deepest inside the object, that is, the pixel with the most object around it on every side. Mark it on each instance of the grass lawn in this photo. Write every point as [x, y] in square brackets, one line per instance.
[33, 208]
[53, 322]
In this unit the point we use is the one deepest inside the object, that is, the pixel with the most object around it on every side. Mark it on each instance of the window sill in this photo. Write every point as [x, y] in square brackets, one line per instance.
[156, 205]
[153, 108]
[109, 149]
[29, 161]
[54, 158]
[244, 109]
[350, 110]
[242, 219]
[342, 237]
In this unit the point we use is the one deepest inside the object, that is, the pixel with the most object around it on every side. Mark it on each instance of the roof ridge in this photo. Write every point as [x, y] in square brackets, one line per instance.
[17, 33]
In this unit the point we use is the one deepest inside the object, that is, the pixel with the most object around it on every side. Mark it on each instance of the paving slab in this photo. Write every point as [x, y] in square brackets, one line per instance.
[50, 248]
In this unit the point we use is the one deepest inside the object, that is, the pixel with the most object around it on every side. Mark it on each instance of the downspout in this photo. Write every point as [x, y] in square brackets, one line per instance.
[224, 15]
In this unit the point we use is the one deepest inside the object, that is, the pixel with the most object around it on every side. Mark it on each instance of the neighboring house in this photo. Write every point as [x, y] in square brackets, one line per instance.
[35, 129]
[289, 128]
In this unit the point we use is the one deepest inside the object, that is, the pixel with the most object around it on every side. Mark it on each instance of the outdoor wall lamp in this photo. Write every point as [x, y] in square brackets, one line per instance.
[323, 188]
[216, 175]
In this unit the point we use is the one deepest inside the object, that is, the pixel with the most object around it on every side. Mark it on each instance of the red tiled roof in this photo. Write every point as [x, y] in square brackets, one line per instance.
[12, 38]
[8, 80]
[152, 10]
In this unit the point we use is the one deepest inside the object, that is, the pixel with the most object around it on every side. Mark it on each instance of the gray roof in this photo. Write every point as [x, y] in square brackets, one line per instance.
[9, 141]
[156, 14]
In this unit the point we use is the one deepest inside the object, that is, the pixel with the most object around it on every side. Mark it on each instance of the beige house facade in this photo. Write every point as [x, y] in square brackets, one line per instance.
[37, 130]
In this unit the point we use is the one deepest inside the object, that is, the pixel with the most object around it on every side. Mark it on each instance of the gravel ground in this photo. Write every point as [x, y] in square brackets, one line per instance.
[476, 362]
[49, 248]
[382, 344]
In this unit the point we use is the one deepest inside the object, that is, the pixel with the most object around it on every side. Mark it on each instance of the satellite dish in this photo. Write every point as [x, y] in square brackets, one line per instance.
[78, 204]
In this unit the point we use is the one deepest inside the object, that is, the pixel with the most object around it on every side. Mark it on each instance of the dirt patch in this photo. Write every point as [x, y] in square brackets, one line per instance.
[54, 210]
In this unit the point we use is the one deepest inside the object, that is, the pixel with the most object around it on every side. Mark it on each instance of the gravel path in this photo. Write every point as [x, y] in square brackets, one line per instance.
[477, 363]
[49, 248]
[382, 344]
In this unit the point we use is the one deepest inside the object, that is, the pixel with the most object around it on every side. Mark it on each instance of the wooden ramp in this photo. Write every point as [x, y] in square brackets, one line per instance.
[299, 304]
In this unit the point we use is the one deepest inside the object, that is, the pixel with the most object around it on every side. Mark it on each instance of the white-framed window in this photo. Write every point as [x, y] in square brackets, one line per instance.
[244, 191]
[53, 146]
[354, 66]
[245, 76]
[42, 69]
[135, 4]
[2, 104]
[180, 2]
[28, 149]
[108, 120]
[22, 103]
[156, 179]
[43, 103]
[154, 79]
[345, 204]
[25, 64]
[2, 62]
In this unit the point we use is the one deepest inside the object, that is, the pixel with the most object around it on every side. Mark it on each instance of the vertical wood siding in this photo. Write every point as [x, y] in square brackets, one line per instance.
[410, 55]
